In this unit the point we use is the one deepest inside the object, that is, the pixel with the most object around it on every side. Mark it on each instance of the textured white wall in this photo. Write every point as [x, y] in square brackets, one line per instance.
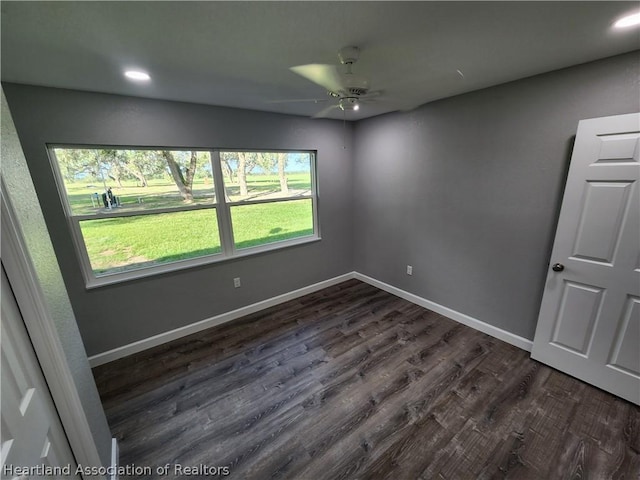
[22, 194]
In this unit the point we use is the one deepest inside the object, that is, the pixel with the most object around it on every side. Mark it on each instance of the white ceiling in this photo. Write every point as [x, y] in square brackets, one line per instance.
[238, 54]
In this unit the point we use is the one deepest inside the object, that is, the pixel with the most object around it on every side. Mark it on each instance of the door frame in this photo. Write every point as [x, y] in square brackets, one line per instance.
[44, 337]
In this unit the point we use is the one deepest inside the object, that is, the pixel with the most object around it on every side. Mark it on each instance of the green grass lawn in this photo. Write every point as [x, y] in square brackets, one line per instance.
[271, 222]
[117, 244]
[125, 243]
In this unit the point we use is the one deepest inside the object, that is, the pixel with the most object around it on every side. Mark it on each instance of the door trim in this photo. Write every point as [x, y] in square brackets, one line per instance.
[45, 339]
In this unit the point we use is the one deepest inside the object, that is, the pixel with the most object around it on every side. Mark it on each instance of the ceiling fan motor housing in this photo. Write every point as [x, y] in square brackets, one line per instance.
[357, 91]
[356, 85]
[348, 55]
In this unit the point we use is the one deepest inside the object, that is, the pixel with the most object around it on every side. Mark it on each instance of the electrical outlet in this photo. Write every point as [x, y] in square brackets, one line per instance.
[409, 270]
[236, 282]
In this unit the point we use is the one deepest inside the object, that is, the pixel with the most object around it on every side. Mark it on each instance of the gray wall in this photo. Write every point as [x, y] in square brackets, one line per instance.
[116, 315]
[23, 197]
[468, 189]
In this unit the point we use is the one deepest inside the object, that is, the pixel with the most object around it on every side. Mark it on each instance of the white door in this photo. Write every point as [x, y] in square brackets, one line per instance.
[32, 435]
[589, 323]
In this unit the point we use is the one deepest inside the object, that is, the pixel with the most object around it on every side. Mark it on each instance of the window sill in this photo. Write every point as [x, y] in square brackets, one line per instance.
[147, 272]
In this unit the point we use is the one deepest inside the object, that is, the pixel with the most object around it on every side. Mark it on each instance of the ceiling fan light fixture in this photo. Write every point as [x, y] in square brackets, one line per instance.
[349, 104]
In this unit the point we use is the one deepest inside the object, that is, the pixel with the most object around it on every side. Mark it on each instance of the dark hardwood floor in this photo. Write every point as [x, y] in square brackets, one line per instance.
[352, 382]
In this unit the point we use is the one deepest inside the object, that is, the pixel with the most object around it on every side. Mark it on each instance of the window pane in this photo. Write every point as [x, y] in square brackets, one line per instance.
[265, 175]
[107, 180]
[262, 223]
[126, 243]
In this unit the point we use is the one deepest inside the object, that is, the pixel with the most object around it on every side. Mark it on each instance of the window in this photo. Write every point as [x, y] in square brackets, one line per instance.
[134, 212]
[273, 202]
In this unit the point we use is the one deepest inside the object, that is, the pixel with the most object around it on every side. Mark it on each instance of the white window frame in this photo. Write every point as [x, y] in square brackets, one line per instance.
[223, 215]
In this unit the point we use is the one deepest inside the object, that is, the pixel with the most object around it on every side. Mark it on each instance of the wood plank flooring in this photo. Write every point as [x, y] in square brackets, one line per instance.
[354, 383]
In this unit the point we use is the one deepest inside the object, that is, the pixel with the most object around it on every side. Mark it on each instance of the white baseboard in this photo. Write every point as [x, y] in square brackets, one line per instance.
[161, 338]
[140, 345]
[115, 459]
[474, 323]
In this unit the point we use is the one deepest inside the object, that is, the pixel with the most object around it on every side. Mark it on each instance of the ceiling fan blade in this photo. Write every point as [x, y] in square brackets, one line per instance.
[326, 76]
[371, 97]
[325, 112]
[372, 94]
[295, 100]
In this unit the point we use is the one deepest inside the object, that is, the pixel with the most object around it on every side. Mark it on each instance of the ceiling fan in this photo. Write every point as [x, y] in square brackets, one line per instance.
[347, 89]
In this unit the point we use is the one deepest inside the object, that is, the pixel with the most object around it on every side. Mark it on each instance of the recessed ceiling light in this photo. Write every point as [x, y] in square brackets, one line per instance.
[628, 21]
[137, 75]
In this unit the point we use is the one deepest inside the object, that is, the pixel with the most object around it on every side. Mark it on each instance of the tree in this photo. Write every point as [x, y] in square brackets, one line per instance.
[242, 173]
[115, 169]
[102, 165]
[75, 163]
[282, 163]
[268, 161]
[241, 164]
[139, 164]
[246, 162]
[227, 171]
[183, 182]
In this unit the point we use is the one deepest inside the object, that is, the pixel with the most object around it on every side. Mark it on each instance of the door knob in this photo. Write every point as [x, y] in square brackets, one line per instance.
[557, 267]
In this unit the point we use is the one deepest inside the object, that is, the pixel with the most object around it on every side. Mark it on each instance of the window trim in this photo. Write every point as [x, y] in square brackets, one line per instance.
[221, 206]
